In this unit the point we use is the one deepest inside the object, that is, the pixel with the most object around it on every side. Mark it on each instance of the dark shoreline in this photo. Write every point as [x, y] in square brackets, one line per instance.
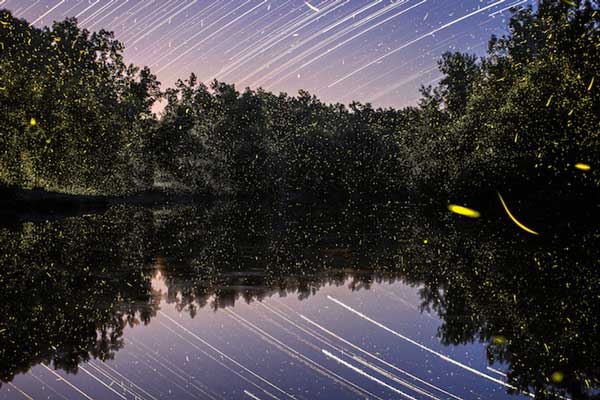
[20, 205]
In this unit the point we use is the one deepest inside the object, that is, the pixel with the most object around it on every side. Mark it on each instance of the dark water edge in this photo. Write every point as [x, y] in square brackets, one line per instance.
[71, 287]
[19, 205]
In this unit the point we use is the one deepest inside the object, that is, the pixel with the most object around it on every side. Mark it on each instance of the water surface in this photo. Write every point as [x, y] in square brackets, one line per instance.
[247, 301]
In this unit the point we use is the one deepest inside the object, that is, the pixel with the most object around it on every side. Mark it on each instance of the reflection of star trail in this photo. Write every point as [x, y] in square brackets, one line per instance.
[353, 346]
[368, 376]
[60, 378]
[313, 365]
[251, 395]
[102, 382]
[18, 389]
[192, 334]
[172, 368]
[341, 350]
[292, 44]
[219, 362]
[423, 347]
[120, 379]
[46, 385]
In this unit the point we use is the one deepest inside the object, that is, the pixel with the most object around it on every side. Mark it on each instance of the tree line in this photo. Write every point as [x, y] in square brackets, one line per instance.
[76, 118]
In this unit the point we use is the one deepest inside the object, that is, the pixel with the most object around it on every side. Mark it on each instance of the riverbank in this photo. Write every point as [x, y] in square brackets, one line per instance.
[18, 204]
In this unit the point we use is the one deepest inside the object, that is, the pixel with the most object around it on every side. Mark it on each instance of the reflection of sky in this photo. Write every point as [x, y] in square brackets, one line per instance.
[274, 349]
[366, 50]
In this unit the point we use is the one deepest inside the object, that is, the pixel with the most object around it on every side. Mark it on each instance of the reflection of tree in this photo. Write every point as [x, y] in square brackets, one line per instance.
[534, 303]
[69, 289]
[72, 286]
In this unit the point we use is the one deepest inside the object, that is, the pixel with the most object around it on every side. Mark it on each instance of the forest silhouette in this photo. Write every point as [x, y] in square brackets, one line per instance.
[76, 119]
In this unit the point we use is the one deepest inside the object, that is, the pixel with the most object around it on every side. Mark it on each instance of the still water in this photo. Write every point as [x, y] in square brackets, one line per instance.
[239, 301]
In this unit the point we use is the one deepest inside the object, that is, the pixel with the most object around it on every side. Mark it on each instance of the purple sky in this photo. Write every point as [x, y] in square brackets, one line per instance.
[377, 51]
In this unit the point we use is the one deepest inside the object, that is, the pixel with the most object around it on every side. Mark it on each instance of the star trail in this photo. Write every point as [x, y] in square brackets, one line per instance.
[341, 50]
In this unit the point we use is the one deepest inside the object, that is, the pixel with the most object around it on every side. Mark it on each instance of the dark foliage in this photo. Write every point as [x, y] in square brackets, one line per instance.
[77, 119]
[71, 286]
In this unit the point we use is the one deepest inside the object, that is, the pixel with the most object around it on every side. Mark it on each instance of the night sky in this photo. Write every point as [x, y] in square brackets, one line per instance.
[377, 51]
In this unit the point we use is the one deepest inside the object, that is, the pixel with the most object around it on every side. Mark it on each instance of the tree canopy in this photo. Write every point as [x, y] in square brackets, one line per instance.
[77, 118]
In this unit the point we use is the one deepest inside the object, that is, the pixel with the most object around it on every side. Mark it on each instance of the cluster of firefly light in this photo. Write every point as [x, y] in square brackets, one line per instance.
[468, 212]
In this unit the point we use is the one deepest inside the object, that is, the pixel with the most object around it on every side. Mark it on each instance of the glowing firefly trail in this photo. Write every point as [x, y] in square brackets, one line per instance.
[520, 225]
